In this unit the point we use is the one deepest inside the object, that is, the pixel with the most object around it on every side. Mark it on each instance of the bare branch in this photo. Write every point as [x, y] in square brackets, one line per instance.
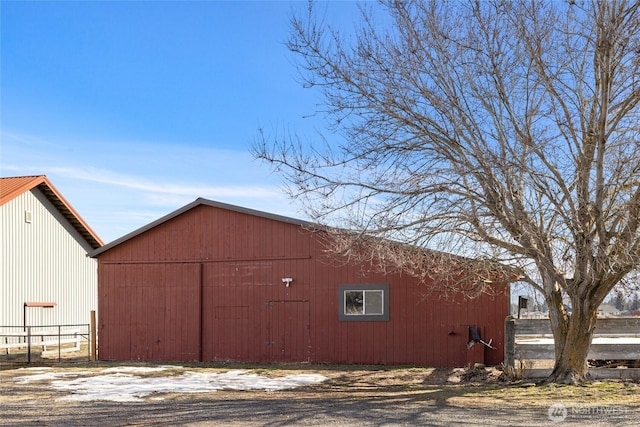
[505, 131]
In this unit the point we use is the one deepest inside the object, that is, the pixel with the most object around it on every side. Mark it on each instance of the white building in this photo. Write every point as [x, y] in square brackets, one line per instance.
[46, 277]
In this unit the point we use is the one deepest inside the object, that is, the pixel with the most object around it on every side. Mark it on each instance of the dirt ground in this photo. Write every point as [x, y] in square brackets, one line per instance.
[351, 396]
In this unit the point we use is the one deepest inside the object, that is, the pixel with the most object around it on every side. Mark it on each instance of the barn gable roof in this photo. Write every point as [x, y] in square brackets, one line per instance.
[198, 202]
[12, 187]
[507, 274]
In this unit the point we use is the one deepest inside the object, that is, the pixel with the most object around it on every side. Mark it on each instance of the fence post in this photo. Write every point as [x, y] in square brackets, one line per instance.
[509, 345]
[59, 343]
[28, 344]
[94, 346]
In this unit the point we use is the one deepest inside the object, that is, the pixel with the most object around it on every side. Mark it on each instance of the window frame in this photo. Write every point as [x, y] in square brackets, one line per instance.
[343, 316]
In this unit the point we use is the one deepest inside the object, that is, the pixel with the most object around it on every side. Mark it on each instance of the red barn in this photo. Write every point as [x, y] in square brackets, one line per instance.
[215, 282]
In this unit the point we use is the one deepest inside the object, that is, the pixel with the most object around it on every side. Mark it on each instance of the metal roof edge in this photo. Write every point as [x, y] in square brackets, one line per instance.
[61, 204]
[83, 228]
[201, 201]
[27, 183]
[258, 213]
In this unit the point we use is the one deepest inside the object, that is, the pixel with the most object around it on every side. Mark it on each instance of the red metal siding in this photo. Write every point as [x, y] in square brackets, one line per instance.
[151, 312]
[207, 285]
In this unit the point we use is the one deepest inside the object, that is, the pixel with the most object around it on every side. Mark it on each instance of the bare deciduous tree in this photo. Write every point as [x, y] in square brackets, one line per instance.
[505, 130]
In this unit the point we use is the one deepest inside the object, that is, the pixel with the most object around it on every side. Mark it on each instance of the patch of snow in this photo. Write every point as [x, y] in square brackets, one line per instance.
[119, 385]
[47, 376]
[140, 369]
[596, 340]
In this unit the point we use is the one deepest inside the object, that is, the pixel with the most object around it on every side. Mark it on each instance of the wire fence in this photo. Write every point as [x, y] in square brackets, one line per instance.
[19, 343]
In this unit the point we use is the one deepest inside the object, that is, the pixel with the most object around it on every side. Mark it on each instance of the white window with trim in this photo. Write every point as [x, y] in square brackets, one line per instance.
[364, 302]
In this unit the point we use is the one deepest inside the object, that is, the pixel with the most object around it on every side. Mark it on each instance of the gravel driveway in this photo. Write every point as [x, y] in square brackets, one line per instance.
[348, 398]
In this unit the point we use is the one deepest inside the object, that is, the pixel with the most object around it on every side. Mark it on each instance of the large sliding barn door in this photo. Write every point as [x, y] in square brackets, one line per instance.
[149, 311]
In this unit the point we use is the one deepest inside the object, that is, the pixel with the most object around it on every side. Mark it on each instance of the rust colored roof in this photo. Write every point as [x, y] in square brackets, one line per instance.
[12, 187]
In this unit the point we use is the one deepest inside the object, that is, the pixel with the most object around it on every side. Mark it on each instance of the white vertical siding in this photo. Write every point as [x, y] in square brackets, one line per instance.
[43, 261]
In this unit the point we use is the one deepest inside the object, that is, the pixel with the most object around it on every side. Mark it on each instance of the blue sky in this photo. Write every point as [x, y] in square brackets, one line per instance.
[135, 108]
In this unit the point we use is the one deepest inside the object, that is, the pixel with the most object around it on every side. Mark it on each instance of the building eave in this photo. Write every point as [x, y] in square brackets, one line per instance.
[20, 185]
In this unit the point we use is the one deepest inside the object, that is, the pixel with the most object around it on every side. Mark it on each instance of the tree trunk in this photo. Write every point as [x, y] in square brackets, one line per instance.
[572, 335]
